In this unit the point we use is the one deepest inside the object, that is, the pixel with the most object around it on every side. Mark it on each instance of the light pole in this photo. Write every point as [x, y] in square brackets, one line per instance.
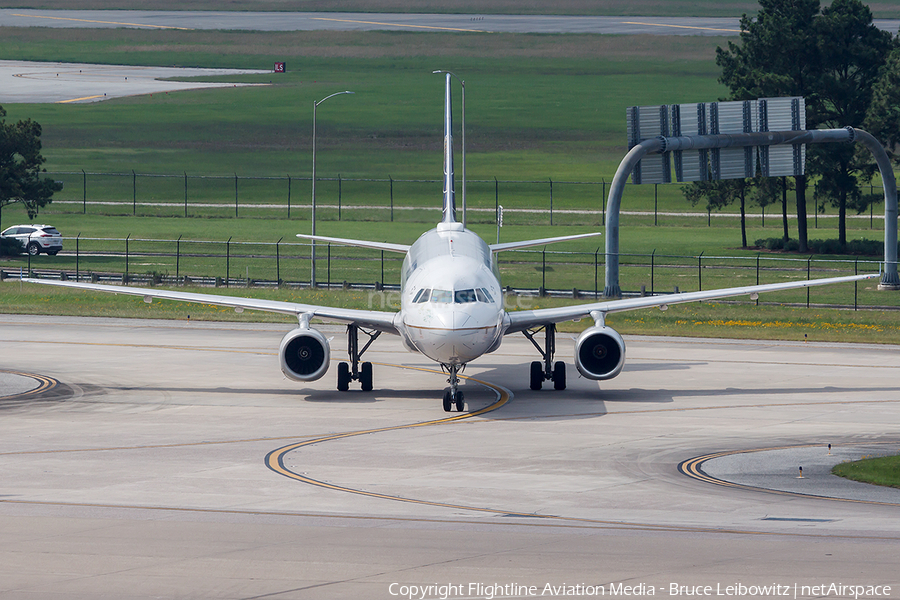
[463, 84]
[312, 277]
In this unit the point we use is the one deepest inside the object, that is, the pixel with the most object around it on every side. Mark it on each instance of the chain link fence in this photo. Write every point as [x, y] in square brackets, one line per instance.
[229, 263]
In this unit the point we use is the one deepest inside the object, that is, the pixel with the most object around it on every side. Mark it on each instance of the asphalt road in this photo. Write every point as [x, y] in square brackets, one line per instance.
[172, 460]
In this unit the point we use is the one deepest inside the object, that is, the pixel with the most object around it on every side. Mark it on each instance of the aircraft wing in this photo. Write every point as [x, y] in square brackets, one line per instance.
[380, 320]
[525, 319]
[541, 242]
[359, 243]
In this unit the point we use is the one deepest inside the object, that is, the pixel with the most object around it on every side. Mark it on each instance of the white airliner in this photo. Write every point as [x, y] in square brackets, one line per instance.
[451, 308]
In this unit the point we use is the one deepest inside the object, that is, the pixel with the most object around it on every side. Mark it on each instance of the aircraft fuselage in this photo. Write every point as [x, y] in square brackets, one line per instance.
[451, 299]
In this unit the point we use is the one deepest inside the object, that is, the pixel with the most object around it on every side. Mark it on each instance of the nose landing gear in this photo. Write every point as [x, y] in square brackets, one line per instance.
[453, 396]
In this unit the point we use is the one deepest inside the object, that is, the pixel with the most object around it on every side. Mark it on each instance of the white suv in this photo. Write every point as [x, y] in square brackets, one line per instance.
[36, 238]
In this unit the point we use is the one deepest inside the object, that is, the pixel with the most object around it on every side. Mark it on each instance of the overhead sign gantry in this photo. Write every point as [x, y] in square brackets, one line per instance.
[732, 140]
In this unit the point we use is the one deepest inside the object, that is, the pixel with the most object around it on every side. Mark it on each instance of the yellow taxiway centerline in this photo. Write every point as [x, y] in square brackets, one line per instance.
[679, 26]
[103, 22]
[401, 25]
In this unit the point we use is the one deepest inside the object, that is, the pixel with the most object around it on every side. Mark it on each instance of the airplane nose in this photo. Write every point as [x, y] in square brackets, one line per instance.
[453, 337]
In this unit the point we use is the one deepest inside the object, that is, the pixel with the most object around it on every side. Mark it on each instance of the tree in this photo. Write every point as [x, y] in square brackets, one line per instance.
[833, 60]
[883, 119]
[719, 194]
[20, 166]
[852, 52]
[769, 190]
[778, 56]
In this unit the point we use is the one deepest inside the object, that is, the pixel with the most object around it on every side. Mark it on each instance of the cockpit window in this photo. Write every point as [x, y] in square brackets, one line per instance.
[442, 296]
[450, 296]
[483, 295]
[464, 296]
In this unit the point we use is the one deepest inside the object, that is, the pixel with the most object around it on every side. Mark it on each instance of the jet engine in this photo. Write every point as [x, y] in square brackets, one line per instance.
[305, 354]
[599, 353]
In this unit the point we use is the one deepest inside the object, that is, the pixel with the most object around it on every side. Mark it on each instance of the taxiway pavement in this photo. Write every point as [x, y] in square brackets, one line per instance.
[348, 21]
[145, 471]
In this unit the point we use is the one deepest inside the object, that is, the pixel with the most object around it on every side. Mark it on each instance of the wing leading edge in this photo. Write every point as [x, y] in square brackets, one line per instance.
[380, 320]
[526, 319]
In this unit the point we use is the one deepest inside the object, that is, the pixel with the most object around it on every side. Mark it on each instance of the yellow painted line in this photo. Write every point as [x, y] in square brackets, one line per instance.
[680, 26]
[693, 468]
[102, 22]
[400, 25]
[45, 384]
[80, 99]
[275, 459]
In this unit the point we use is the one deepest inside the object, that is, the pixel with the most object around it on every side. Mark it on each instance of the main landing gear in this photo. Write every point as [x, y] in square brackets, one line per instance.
[546, 370]
[354, 371]
[453, 396]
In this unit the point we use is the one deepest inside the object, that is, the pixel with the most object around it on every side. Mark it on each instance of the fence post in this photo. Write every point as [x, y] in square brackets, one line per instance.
[133, 193]
[83, 192]
[496, 198]
[700, 270]
[543, 271]
[328, 267]
[655, 203]
[596, 269]
[652, 273]
[757, 276]
[278, 262]
[77, 255]
[603, 198]
[177, 257]
[808, 265]
[235, 195]
[856, 285]
[382, 269]
[126, 257]
[227, 261]
[551, 200]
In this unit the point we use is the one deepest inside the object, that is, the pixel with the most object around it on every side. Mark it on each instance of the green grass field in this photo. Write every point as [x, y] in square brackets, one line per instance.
[539, 108]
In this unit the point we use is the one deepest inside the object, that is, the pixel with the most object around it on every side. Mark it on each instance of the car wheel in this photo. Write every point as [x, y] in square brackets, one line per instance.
[33, 249]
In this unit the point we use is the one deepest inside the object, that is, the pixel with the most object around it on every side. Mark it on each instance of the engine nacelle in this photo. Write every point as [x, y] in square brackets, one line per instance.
[304, 354]
[599, 353]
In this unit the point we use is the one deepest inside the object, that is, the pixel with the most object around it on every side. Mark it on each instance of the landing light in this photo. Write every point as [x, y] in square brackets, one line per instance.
[663, 307]
[754, 296]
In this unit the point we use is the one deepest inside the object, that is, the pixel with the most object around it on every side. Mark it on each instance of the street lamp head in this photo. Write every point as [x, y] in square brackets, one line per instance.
[331, 96]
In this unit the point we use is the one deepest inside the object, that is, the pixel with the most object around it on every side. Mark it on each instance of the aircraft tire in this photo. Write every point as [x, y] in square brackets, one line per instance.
[559, 376]
[537, 375]
[460, 402]
[343, 377]
[365, 376]
[447, 402]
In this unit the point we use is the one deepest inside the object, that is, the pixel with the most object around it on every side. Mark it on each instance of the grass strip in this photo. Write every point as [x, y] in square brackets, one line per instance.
[883, 470]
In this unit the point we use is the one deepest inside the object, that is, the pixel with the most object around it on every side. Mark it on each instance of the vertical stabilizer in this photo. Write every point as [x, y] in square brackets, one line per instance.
[449, 188]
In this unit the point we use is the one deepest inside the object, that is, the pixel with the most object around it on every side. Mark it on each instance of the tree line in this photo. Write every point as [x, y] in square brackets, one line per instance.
[848, 71]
